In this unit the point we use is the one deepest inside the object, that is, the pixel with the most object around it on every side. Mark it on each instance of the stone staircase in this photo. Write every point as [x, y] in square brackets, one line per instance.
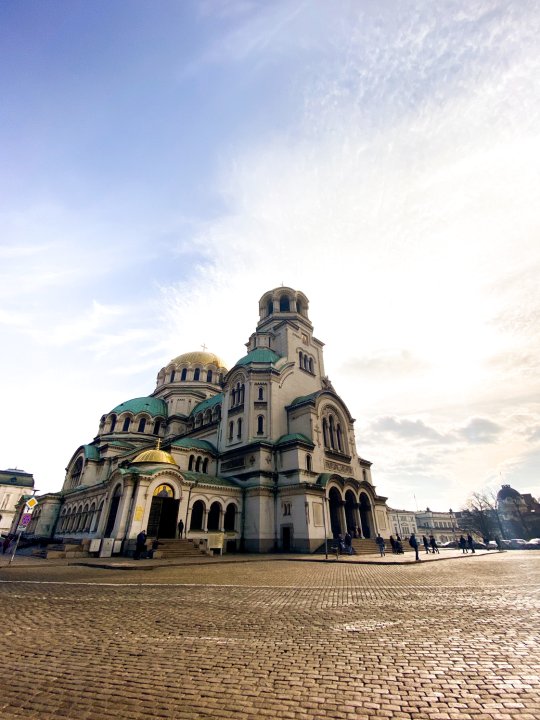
[178, 548]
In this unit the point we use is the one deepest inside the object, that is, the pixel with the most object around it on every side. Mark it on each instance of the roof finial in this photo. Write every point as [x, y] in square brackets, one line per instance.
[158, 446]
[204, 347]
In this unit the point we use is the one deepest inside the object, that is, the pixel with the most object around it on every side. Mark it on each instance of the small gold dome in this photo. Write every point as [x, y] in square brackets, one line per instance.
[156, 455]
[204, 358]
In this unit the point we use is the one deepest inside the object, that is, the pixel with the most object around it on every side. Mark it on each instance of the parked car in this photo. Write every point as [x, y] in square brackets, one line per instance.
[533, 544]
[450, 544]
[517, 543]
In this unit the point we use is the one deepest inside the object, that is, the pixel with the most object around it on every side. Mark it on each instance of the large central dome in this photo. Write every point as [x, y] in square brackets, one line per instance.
[203, 358]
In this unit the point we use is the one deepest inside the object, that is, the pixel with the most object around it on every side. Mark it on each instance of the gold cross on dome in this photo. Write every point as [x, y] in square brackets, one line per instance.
[204, 347]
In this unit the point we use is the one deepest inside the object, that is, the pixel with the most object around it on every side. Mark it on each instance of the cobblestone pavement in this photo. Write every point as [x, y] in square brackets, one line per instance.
[295, 640]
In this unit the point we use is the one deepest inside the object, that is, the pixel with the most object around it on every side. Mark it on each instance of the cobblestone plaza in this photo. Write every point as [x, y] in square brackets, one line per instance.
[277, 638]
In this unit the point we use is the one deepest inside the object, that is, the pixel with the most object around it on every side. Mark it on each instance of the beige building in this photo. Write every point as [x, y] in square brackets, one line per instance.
[14, 484]
[442, 525]
[262, 454]
[402, 523]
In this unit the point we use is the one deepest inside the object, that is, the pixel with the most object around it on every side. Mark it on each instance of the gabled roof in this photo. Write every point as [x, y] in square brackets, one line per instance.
[294, 438]
[151, 405]
[259, 355]
[187, 442]
[202, 479]
[208, 403]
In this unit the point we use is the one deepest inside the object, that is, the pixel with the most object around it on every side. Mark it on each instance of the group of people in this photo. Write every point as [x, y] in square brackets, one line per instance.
[430, 544]
[466, 544]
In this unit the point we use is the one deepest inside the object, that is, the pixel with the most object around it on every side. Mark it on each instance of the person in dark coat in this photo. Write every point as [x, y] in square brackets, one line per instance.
[470, 542]
[348, 543]
[413, 542]
[426, 543]
[433, 543]
[140, 546]
[180, 528]
[380, 543]
[463, 544]
[393, 544]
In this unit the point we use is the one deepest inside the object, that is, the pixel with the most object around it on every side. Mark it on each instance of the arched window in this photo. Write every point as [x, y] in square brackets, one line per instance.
[197, 515]
[338, 436]
[311, 365]
[127, 423]
[261, 393]
[183, 375]
[198, 464]
[97, 517]
[91, 517]
[197, 374]
[230, 518]
[325, 432]
[76, 472]
[231, 430]
[284, 304]
[214, 516]
[242, 393]
[113, 423]
[209, 376]
[142, 425]
[308, 463]
[331, 431]
[260, 424]
[239, 427]
[270, 307]
[205, 466]
[301, 359]
[191, 461]
[157, 426]
[173, 373]
[233, 398]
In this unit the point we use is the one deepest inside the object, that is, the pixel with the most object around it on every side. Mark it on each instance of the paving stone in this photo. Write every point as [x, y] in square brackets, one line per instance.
[274, 639]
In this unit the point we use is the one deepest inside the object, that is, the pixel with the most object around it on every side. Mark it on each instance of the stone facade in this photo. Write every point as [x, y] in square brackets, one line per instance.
[264, 453]
[14, 484]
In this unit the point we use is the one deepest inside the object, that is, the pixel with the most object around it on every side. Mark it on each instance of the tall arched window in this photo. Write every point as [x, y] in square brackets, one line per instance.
[205, 466]
[197, 515]
[260, 424]
[311, 365]
[230, 518]
[331, 431]
[76, 473]
[183, 375]
[173, 373]
[191, 460]
[209, 376]
[261, 394]
[270, 307]
[284, 304]
[338, 436]
[127, 423]
[198, 464]
[231, 429]
[325, 432]
[157, 426]
[142, 425]
[197, 374]
[301, 359]
[113, 423]
[239, 428]
[308, 463]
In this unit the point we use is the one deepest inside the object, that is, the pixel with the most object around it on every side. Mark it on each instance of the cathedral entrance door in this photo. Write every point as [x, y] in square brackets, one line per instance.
[163, 513]
[335, 508]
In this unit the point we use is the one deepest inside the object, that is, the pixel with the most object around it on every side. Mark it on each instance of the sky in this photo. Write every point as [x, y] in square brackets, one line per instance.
[165, 163]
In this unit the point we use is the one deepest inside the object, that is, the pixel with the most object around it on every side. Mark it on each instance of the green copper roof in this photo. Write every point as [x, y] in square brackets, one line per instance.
[151, 405]
[194, 443]
[91, 452]
[208, 403]
[304, 398]
[202, 479]
[294, 437]
[259, 355]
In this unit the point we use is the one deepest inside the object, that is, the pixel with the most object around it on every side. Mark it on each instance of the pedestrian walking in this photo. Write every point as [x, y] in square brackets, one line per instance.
[180, 528]
[463, 544]
[498, 543]
[380, 542]
[413, 542]
[348, 543]
[393, 544]
[470, 542]
[433, 543]
[426, 543]
[140, 546]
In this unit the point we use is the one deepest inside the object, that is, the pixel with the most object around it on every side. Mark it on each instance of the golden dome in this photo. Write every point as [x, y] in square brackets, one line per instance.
[156, 455]
[203, 358]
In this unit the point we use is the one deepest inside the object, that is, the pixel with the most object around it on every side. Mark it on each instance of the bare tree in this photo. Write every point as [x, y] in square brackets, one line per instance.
[481, 515]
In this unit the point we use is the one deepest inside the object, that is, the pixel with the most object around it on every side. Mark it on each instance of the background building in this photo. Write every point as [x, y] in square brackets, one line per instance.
[14, 484]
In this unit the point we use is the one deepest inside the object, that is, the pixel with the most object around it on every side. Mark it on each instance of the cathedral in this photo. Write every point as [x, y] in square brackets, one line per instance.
[260, 457]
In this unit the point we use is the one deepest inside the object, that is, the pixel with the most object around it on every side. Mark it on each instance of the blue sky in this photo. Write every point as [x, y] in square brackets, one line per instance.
[165, 163]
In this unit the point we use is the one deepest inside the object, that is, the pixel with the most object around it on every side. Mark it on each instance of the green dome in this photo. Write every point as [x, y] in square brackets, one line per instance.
[151, 405]
[259, 355]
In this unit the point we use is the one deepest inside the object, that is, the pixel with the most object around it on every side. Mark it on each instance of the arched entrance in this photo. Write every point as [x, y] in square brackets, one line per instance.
[113, 511]
[334, 499]
[214, 515]
[197, 515]
[163, 513]
[350, 516]
[365, 516]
